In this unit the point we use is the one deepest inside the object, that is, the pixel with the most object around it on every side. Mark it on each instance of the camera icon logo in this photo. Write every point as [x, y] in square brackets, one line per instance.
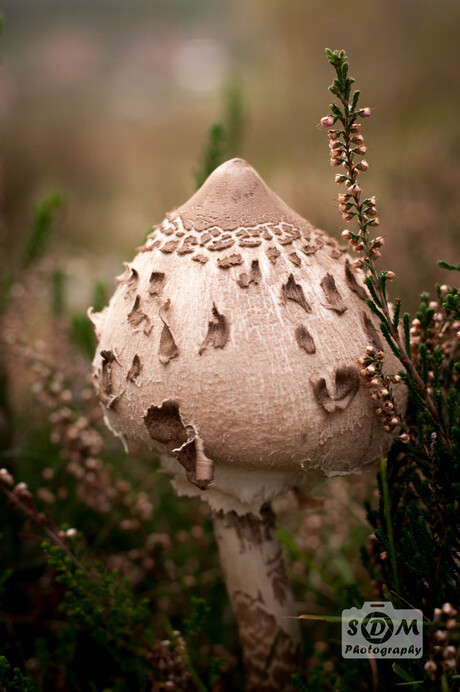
[381, 631]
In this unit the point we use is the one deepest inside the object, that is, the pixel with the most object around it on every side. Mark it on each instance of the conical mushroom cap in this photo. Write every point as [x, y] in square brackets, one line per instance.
[231, 343]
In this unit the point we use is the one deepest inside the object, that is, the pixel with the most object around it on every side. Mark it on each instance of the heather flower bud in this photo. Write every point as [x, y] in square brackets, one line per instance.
[365, 112]
[328, 121]
[356, 127]
[354, 189]
[335, 162]
[374, 222]
[346, 234]
[333, 135]
[361, 150]
[339, 179]
[404, 438]
[390, 275]
[359, 139]
[335, 144]
[362, 165]
[6, 477]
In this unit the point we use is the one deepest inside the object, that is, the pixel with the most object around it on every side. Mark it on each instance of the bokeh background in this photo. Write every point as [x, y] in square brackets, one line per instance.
[110, 102]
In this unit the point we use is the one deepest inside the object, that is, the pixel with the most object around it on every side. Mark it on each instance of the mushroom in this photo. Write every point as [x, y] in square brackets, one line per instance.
[230, 347]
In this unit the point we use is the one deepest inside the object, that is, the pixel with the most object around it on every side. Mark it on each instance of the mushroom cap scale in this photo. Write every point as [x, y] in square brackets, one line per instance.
[235, 335]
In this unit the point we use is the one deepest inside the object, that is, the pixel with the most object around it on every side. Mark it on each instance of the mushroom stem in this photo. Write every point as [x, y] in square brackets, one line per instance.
[252, 562]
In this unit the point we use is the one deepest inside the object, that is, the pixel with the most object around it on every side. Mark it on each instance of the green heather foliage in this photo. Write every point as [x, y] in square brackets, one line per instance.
[132, 599]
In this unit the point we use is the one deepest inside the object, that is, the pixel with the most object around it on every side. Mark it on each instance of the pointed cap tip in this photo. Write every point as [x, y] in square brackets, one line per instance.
[235, 195]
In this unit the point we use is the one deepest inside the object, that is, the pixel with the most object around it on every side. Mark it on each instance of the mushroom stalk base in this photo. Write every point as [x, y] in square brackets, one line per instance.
[252, 562]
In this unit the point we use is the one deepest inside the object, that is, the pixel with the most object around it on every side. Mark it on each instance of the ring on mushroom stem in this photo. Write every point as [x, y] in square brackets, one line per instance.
[230, 347]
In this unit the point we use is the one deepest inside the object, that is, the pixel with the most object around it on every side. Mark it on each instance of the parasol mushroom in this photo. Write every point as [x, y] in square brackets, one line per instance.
[230, 347]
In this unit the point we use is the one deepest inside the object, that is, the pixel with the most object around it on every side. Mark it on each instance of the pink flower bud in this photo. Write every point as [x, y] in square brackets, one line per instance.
[362, 165]
[333, 134]
[328, 121]
[404, 438]
[6, 477]
[359, 139]
[339, 179]
[346, 234]
[334, 162]
[374, 222]
[365, 112]
[361, 150]
[390, 275]
[354, 189]
[356, 127]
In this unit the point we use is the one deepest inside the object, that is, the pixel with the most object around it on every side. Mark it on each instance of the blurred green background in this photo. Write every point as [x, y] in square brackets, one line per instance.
[110, 102]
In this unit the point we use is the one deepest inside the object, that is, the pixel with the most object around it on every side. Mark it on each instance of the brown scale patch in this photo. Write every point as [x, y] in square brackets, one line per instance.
[215, 232]
[179, 234]
[229, 261]
[314, 246]
[255, 232]
[335, 300]
[292, 291]
[168, 227]
[170, 246]
[221, 243]
[335, 253]
[149, 245]
[272, 253]
[106, 395]
[200, 258]
[164, 424]
[305, 339]
[266, 235]
[218, 331]
[346, 387]
[250, 242]
[290, 236]
[287, 240]
[135, 370]
[156, 283]
[295, 259]
[186, 248]
[167, 349]
[242, 233]
[372, 333]
[205, 238]
[350, 278]
[254, 275]
[198, 467]
[138, 319]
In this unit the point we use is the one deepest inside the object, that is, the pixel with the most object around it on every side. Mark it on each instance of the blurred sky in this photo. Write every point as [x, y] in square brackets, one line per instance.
[110, 102]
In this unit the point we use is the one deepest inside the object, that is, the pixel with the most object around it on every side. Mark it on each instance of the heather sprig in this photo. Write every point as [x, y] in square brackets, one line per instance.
[347, 147]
